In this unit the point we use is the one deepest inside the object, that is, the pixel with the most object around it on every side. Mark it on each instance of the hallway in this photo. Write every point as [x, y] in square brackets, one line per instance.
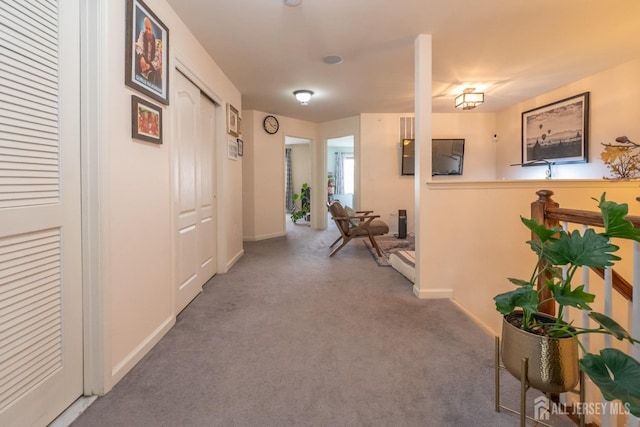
[291, 337]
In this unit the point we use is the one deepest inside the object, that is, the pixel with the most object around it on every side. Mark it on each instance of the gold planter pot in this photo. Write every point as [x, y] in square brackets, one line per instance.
[553, 362]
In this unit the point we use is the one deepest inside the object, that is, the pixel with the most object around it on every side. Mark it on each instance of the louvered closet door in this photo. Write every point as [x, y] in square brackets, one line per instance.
[40, 275]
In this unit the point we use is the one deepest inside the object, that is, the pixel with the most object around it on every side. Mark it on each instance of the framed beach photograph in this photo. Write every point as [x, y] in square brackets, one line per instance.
[240, 147]
[557, 133]
[147, 48]
[146, 120]
[233, 121]
[232, 149]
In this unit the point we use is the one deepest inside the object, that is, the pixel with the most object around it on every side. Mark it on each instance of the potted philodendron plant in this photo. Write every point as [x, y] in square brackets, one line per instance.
[615, 373]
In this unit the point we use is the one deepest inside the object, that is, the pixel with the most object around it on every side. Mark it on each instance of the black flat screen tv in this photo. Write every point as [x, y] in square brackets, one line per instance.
[408, 156]
[447, 156]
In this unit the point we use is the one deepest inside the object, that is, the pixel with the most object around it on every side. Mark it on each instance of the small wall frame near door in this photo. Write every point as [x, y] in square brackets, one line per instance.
[194, 191]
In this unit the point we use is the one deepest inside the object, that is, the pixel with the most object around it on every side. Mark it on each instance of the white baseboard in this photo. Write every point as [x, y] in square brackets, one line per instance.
[263, 237]
[476, 319]
[125, 365]
[72, 412]
[233, 260]
[433, 293]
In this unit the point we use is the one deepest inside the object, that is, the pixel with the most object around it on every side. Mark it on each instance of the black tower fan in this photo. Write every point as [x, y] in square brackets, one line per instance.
[402, 224]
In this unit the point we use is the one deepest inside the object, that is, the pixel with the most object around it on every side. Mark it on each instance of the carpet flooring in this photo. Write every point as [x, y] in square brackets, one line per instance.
[389, 245]
[291, 337]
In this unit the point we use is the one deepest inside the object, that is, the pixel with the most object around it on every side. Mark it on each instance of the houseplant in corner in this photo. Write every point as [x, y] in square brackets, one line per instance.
[615, 373]
[305, 204]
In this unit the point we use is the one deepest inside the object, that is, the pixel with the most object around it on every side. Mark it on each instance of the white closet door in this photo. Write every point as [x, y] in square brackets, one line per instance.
[194, 160]
[40, 259]
[207, 236]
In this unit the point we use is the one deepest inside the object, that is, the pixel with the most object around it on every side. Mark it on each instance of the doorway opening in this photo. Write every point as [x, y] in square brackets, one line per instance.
[297, 179]
[341, 170]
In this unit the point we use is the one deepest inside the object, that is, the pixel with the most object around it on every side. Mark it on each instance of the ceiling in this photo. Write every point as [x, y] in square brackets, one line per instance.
[512, 49]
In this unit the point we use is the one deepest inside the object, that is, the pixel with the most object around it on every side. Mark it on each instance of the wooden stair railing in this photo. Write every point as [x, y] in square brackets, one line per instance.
[548, 212]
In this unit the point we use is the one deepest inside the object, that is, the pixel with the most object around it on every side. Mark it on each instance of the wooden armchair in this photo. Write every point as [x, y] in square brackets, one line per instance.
[358, 224]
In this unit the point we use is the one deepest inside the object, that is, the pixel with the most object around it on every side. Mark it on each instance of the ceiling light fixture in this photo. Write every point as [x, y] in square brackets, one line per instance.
[469, 99]
[303, 96]
[292, 2]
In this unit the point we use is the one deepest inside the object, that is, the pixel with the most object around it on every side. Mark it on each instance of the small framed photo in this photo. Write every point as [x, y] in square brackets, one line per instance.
[557, 133]
[233, 121]
[146, 120]
[232, 149]
[147, 48]
[240, 147]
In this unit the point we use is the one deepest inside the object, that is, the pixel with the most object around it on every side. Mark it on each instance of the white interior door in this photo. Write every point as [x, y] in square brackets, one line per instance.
[207, 236]
[40, 254]
[194, 160]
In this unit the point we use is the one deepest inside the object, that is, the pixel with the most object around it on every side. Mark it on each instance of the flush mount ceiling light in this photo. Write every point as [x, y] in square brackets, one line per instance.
[303, 96]
[469, 99]
[332, 59]
[292, 2]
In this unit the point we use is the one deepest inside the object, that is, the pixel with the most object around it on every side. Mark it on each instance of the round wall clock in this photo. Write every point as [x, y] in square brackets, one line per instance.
[271, 125]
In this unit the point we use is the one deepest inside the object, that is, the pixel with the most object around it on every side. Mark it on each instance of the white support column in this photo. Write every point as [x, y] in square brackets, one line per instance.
[423, 110]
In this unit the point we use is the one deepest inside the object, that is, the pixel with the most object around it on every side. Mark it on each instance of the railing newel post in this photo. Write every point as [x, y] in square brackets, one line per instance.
[539, 213]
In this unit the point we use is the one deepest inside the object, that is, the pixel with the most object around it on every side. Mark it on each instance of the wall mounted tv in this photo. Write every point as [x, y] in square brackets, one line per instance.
[447, 156]
[408, 156]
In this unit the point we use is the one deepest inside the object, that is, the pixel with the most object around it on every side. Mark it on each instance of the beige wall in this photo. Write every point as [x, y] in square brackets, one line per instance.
[136, 219]
[263, 187]
[476, 240]
[467, 222]
[385, 190]
[477, 129]
[249, 172]
[613, 113]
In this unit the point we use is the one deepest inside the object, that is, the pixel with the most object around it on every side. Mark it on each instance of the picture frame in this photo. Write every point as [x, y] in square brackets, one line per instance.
[233, 121]
[557, 133]
[146, 52]
[240, 147]
[232, 149]
[146, 120]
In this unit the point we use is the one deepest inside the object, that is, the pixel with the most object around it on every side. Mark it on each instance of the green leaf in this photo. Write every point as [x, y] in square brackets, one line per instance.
[590, 249]
[520, 282]
[611, 326]
[574, 298]
[525, 297]
[543, 233]
[615, 224]
[625, 384]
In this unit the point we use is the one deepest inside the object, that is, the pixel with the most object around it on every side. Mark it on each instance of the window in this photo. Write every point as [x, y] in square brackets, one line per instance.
[349, 173]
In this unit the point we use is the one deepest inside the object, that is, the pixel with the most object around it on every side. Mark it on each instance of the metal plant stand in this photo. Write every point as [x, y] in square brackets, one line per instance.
[524, 386]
